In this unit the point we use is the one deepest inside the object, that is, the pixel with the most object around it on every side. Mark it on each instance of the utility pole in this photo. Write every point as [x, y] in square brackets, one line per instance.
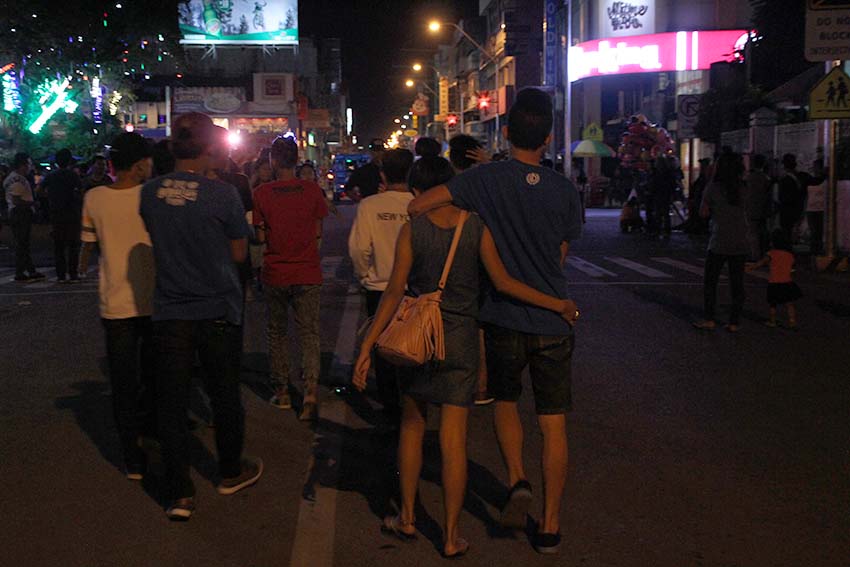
[568, 93]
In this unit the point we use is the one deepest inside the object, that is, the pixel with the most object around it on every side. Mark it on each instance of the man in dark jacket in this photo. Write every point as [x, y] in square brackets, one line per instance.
[793, 189]
[64, 193]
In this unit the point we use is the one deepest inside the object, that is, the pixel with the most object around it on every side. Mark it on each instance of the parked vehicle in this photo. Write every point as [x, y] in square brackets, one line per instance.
[341, 169]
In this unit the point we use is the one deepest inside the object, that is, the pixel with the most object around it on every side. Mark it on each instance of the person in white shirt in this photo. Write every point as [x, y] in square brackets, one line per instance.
[111, 220]
[19, 200]
[371, 246]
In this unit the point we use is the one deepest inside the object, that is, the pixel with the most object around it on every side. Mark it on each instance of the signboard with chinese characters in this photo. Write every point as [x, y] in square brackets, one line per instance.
[655, 53]
[827, 30]
[239, 22]
[444, 96]
[550, 43]
[621, 18]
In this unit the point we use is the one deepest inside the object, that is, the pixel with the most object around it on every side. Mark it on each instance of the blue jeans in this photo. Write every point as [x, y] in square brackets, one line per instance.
[218, 346]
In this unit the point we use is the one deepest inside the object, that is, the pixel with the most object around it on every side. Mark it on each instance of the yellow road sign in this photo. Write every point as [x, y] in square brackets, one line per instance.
[830, 98]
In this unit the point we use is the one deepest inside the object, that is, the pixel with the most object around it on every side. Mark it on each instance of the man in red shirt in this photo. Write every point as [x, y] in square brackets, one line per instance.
[288, 217]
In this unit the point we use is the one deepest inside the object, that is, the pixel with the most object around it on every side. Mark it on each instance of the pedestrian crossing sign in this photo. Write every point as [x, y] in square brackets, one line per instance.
[830, 98]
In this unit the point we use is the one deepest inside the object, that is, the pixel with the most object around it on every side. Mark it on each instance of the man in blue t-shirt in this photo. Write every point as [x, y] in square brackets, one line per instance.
[533, 214]
[199, 233]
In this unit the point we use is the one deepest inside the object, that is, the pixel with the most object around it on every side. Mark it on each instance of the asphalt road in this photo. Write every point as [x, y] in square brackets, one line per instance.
[685, 448]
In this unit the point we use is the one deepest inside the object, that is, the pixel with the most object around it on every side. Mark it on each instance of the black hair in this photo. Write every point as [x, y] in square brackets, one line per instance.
[779, 240]
[64, 157]
[396, 165]
[20, 159]
[311, 166]
[759, 161]
[458, 146]
[728, 172]
[193, 135]
[530, 119]
[163, 159]
[789, 161]
[128, 149]
[429, 172]
[284, 152]
[427, 147]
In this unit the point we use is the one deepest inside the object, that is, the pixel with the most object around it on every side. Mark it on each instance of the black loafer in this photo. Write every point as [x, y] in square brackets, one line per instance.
[515, 510]
[547, 544]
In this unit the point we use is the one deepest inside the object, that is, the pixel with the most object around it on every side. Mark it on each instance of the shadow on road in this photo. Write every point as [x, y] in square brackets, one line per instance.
[92, 410]
[363, 460]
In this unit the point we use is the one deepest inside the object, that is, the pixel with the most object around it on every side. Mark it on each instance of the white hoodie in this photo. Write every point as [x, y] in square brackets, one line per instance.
[371, 243]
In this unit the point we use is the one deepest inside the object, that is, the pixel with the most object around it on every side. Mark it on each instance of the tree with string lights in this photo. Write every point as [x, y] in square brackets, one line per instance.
[70, 67]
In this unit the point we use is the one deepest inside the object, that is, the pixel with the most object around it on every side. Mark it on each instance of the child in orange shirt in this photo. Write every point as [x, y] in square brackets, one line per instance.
[781, 289]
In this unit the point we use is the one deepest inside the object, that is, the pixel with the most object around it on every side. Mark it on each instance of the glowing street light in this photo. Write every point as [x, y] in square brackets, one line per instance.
[417, 67]
[397, 121]
[409, 83]
[434, 26]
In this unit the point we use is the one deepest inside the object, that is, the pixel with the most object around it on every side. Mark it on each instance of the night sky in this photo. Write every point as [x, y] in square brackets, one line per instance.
[380, 40]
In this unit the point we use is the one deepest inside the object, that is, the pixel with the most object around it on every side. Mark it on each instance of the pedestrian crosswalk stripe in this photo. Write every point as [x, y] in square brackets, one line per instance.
[684, 266]
[639, 268]
[588, 268]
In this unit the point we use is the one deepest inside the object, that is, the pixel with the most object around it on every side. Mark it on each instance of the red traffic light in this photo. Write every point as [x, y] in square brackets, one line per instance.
[483, 100]
[451, 120]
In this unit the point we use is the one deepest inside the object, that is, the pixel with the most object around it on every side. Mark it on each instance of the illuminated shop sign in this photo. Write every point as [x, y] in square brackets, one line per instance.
[619, 18]
[654, 53]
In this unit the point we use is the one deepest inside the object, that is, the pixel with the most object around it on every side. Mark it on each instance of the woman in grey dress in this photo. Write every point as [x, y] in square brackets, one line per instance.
[421, 252]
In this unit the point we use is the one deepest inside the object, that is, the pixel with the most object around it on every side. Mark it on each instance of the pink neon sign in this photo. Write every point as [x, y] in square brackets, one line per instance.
[653, 53]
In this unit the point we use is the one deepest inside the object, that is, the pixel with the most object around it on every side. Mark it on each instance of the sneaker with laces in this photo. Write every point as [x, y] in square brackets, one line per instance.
[252, 470]
[281, 398]
[181, 509]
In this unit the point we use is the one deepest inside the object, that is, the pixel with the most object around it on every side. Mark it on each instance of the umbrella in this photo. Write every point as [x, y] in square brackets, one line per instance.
[590, 148]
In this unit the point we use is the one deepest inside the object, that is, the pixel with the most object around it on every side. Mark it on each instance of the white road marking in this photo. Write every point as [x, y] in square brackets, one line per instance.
[684, 266]
[316, 527]
[639, 268]
[588, 268]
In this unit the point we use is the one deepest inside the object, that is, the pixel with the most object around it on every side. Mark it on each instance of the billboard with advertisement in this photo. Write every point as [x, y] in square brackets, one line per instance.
[655, 53]
[621, 18]
[239, 22]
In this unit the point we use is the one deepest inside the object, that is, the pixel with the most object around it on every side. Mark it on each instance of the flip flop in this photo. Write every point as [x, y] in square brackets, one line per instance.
[464, 548]
[392, 526]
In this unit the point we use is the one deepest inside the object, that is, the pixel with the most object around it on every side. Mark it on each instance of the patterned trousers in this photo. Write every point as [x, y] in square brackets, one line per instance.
[304, 301]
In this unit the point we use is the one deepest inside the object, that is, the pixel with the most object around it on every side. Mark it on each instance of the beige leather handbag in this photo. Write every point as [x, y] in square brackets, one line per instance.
[415, 333]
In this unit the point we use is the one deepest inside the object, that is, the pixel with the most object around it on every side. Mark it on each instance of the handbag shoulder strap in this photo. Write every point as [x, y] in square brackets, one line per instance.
[450, 258]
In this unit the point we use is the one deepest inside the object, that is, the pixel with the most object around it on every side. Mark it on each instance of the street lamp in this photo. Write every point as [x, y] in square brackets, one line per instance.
[417, 67]
[397, 121]
[410, 82]
[434, 26]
